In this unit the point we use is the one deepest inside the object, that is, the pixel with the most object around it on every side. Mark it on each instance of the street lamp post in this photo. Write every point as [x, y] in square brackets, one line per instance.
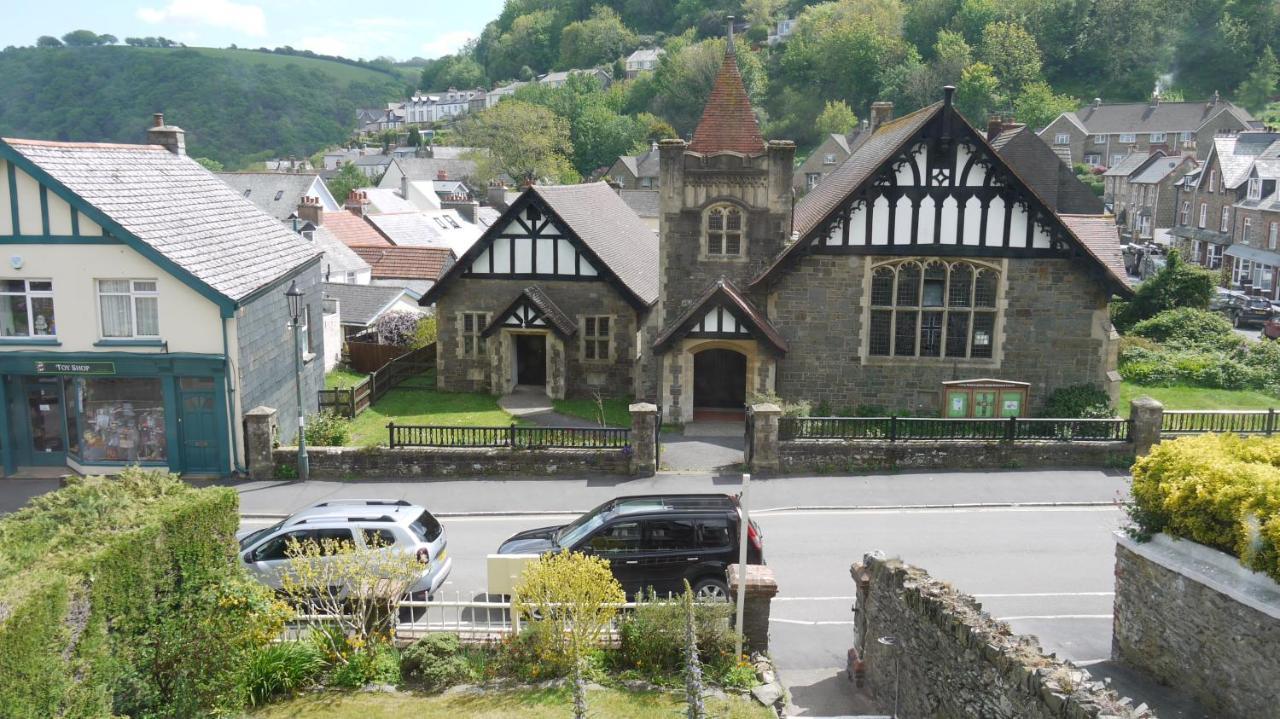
[294, 295]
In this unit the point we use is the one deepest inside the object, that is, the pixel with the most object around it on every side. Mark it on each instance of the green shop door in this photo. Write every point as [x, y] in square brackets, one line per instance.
[43, 434]
[197, 425]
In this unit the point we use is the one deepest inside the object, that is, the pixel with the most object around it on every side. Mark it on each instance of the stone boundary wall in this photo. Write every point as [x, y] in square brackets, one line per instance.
[815, 456]
[355, 463]
[1193, 617]
[954, 660]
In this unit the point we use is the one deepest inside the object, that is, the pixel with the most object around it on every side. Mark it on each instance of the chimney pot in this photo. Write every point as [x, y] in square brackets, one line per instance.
[310, 210]
[157, 120]
[881, 114]
[171, 138]
[442, 174]
[948, 94]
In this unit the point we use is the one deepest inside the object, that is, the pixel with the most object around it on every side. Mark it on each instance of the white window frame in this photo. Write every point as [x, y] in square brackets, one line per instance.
[1255, 188]
[829, 159]
[1197, 251]
[1099, 139]
[1224, 225]
[1184, 213]
[1215, 256]
[134, 294]
[308, 336]
[1157, 137]
[1213, 179]
[1128, 137]
[1246, 229]
[1273, 236]
[1204, 215]
[1062, 138]
[1116, 158]
[30, 294]
[1188, 136]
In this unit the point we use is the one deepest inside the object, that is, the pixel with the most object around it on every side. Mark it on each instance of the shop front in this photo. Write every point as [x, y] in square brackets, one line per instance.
[98, 412]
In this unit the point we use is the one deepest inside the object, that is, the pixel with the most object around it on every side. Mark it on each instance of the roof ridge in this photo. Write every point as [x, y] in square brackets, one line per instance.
[83, 145]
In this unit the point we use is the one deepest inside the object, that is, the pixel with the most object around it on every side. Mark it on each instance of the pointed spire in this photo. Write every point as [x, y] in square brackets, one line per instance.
[728, 122]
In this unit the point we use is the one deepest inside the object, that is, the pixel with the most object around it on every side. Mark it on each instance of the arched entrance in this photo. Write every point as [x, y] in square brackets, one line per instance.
[719, 380]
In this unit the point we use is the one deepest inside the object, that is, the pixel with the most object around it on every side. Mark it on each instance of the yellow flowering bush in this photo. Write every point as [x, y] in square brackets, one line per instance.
[1222, 491]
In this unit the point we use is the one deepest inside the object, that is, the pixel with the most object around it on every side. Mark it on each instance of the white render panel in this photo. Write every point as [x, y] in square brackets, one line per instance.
[59, 215]
[502, 255]
[728, 323]
[922, 164]
[858, 225]
[905, 177]
[546, 260]
[927, 215]
[977, 175]
[973, 221]
[524, 256]
[1040, 239]
[962, 159]
[481, 263]
[902, 222]
[836, 234]
[586, 269]
[880, 221]
[566, 255]
[6, 211]
[995, 222]
[949, 220]
[28, 204]
[512, 228]
[1018, 227]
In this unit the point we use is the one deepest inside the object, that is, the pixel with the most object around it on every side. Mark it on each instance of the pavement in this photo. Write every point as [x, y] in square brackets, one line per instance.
[1036, 548]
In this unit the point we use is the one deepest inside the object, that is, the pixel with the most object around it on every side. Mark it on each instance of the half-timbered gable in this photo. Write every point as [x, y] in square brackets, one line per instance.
[553, 294]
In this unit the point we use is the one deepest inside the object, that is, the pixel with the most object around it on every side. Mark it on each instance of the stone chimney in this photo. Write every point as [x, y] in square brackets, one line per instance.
[995, 124]
[497, 196]
[310, 210]
[442, 174]
[358, 203]
[466, 208]
[171, 137]
[1155, 99]
[404, 186]
[881, 114]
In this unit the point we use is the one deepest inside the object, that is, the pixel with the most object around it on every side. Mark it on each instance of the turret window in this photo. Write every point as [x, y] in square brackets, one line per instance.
[724, 229]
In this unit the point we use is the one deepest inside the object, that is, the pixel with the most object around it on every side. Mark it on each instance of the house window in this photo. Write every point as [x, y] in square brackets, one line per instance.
[1188, 136]
[1245, 230]
[933, 309]
[1215, 257]
[1157, 137]
[828, 159]
[1255, 188]
[1128, 137]
[595, 338]
[1204, 214]
[724, 229]
[811, 179]
[129, 308]
[1226, 220]
[1099, 139]
[279, 194]
[1197, 248]
[1273, 235]
[1062, 138]
[1184, 213]
[310, 332]
[1213, 179]
[471, 324]
[26, 308]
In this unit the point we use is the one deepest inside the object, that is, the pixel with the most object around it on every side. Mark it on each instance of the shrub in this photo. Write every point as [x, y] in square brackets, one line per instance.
[651, 638]
[1222, 491]
[1189, 326]
[1177, 284]
[435, 662]
[282, 668]
[379, 664]
[398, 328]
[1081, 401]
[426, 332]
[328, 429]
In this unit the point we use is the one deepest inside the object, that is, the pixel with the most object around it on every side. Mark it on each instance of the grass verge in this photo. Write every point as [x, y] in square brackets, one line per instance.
[416, 401]
[342, 378]
[1196, 398]
[616, 412]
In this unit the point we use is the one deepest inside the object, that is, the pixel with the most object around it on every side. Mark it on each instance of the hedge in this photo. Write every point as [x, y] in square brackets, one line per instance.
[1222, 491]
[123, 597]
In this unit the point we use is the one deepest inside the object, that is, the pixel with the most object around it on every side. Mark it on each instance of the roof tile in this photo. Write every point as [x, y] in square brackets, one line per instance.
[728, 123]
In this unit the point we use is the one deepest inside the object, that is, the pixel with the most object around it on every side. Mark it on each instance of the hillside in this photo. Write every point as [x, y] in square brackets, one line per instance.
[237, 106]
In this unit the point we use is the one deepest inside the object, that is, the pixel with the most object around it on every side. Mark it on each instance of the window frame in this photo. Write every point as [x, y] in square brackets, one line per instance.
[1062, 138]
[942, 312]
[28, 295]
[1204, 215]
[829, 158]
[729, 209]
[478, 348]
[1273, 235]
[1224, 225]
[1246, 229]
[592, 339]
[1215, 256]
[1129, 137]
[1158, 137]
[1184, 213]
[134, 295]
[1099, 139]
[1213, 180]
[1255, 188]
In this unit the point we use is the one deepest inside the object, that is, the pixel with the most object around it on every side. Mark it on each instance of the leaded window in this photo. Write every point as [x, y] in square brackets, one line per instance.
[933, 309]
[725, 227]
[471, 325]
[595, 338]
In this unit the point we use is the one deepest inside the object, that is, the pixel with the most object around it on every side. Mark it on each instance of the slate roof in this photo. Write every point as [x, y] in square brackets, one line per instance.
[1101, 238]
[1041, 168]
[725, 291]
[1237, 152]
[1144, 117]
[643, 202]
[1156, 171]
[423, 229]
[354, 231]
[265, 187]
[561, 323]
[645, 53]
[486, 216]
[728, 122]
[428, 168]
[385, 201]
[1130, 164]
[178, 208]
[406, 263]
[611, 230]
[373, 160]
[338, 258]
[361, 305]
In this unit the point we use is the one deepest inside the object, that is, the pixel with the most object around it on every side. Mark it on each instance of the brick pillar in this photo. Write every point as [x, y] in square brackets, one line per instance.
[259, 436]
[644, 424]
[760, 587]
[764, 439]
[1148, 417]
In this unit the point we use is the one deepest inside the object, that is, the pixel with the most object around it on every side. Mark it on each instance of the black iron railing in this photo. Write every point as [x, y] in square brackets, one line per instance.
[400, 435]
[901, 429]
[1224, 421]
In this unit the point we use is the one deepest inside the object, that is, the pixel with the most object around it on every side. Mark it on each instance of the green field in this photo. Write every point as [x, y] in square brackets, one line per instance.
[1196, 398]
[341, 72]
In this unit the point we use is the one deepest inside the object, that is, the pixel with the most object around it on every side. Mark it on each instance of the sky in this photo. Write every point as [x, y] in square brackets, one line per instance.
[426, 28]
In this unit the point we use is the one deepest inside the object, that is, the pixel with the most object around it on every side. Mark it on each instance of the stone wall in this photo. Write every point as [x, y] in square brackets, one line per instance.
[1192, 617]
[836, 456]
[356, 463]
[951, 659]
[1056, 333]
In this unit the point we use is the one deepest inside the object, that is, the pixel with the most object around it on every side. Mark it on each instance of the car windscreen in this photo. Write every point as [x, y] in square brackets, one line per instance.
[250, 539]
[1259, 305]
[426, 527]
[571, 533]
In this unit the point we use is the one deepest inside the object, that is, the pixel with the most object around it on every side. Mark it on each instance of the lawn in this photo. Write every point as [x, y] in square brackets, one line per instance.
[1197, 398]
[342, 378]
[516, 704]
[616, 413]
[416, 401]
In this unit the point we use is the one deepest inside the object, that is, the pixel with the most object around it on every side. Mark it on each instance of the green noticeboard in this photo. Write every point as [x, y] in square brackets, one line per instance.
[107, 368]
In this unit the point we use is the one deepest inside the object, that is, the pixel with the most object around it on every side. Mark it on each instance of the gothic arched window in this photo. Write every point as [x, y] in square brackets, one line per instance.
[724, 227]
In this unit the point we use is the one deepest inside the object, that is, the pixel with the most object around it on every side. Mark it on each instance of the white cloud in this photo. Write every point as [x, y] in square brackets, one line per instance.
[446, 43]
[326, 45]
[247, 19]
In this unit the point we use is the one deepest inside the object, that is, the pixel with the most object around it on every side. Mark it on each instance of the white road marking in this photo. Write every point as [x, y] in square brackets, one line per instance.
[1091, 662]
[1041, 594]
[813, 599]
[810, 623]
[1056, 616]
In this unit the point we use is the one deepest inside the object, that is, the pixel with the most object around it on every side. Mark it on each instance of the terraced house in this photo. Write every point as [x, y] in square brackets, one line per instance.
[921, 259]
[142, 309]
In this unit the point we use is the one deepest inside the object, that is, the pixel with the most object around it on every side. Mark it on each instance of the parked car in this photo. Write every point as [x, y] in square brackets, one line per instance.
[1227, 303]
[388, 525]
[1255, 311]
[655, 541]
[1271, 330]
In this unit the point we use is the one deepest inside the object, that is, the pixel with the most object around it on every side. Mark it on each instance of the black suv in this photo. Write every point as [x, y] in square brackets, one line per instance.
[655, 541]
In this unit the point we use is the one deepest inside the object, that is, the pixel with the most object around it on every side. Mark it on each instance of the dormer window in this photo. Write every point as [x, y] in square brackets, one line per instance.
[1255, 188]
[724, 230]
[829, 159]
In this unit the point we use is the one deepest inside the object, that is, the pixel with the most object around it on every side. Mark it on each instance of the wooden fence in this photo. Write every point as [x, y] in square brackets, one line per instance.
[352, 401]
[366, 357]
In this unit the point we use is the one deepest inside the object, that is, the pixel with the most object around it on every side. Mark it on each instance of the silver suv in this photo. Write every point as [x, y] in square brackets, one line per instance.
[397, 525]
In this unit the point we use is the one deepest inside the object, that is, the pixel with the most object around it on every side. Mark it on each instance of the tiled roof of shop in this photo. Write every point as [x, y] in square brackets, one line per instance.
[409, 263]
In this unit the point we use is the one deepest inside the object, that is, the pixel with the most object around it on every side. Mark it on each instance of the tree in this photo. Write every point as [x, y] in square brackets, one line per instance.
[837, 118]
[107, 39]
[1038, 105]
[81, 38]
[599, 40]
[349, 177]
[1255, 92]
[48, 41]
[686, 72]
[415, 137]
[600, 135]
[533, 40]
[978, 93]
[1012, 54]
[526, 142]
[1177, 284]
[208, 164]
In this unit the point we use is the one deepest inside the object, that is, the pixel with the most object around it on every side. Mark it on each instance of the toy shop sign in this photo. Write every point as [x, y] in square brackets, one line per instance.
[76, 368]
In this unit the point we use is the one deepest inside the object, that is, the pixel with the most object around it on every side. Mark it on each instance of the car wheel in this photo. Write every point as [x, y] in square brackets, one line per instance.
[711, 590]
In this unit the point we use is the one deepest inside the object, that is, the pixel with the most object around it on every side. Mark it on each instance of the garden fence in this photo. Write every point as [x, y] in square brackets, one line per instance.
[1226, 421]
[351, 401]
[903, 429]
[511, 437]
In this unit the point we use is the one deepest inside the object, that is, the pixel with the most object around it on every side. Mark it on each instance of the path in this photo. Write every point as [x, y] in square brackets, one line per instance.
[532, 404]
[703, 447]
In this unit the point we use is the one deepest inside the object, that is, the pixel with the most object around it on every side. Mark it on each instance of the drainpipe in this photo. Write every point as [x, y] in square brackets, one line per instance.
[231, 400]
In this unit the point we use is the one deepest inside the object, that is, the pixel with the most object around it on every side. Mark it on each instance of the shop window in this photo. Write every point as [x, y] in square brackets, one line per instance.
[129, 308]
[26, 308]
[724, 231]
[117, 419]
[595, 338]
[936, 309]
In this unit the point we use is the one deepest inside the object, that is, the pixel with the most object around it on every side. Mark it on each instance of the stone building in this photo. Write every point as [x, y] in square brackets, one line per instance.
[1146, 199]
